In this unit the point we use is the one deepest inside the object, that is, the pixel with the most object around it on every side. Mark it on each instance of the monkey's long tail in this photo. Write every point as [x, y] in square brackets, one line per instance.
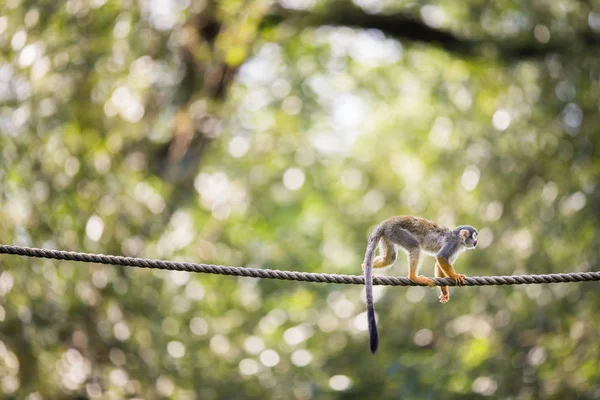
[368, 263]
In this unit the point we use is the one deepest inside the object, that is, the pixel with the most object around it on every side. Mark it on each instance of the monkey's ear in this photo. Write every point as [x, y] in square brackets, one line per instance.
[464, 234]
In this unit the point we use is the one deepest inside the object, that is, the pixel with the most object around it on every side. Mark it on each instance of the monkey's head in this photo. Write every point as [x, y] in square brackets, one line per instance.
[468, 235]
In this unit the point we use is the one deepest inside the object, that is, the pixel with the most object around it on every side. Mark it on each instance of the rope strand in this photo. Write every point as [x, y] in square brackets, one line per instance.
[290, 275]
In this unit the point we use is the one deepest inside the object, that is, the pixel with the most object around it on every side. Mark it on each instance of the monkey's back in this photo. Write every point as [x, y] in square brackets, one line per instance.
[425, 231]
[415, 225]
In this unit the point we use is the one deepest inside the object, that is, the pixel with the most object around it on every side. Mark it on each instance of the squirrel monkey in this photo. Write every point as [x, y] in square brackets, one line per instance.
[414, 235]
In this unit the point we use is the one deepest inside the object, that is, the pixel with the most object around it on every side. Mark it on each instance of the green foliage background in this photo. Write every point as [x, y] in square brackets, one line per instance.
[276, 136]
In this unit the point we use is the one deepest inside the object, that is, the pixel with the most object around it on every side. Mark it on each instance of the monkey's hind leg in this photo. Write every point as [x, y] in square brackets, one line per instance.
[444, 291]
[414, 258]
[387, 255]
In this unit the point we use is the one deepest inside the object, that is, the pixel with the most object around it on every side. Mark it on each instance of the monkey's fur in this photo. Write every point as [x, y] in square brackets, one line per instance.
[414, 235]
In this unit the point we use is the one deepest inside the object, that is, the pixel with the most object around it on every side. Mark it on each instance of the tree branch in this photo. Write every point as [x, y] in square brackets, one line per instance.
[406, 27]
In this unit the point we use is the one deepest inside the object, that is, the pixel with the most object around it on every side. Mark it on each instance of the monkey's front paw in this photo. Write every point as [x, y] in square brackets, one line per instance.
[444, 297]
[362, 266]
[459, 278]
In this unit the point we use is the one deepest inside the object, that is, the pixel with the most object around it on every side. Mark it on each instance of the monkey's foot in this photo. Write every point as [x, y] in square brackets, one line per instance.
[444, 297]
[362, 266]
[459, 278]
[422, 280]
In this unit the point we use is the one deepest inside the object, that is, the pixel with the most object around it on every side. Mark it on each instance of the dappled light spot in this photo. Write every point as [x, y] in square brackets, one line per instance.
[501, 120]
[247, 366]
[407, 166]
[18, 40]
[348, 110]
[485, 238]
[219, 344]
[470, 178]
[519, 240]
[573, 203]
[39, 70]
[269, 358]
[179, 278]
[341, 306]
[176, 349]
[94, 228]
[179, 233]
[541, 33]
[329, 323]
[352, 178]
[335, 252]
[281, 88]
[493, 211]
[292, 105]
[550, 192]
[254, 344]
[71, 166]
[94, 390]
[132, 246]
[572, 118]
[164, 13]
[463, 98]
[340, 382]
[293, 178]
[298, 334]
[415, 294]
[238, 146]
[374, 49]
[128, 103]
[3, 24]
[478, 327]
[594, 21]
[373, 201]
[74, 370]
[117, 356]
[121, 331]
[577, 330]
[32, 16]
[10, 384]
[119, 377]
[122, 26]
[484, 385]
[297, 4]
[6, 283]
[30, 53]
[423, 337]
[432, 15]
[220, 195]
[360, 322]
[165, 386]
[301, 358]
[439, 134]
[102, 162]
[198, 326]
[565, 90]
[273, 320]
[536, 356]
[21, 115]
[194, 290]
[378, 291]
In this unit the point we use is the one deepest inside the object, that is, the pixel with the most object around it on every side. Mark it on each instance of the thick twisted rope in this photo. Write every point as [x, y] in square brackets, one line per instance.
[291, 275]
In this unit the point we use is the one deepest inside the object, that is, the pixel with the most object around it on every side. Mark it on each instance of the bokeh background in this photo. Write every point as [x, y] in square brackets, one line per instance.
[276, 135]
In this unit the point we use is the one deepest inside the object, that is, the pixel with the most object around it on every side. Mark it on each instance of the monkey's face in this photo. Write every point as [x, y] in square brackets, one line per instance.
[468, 234]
